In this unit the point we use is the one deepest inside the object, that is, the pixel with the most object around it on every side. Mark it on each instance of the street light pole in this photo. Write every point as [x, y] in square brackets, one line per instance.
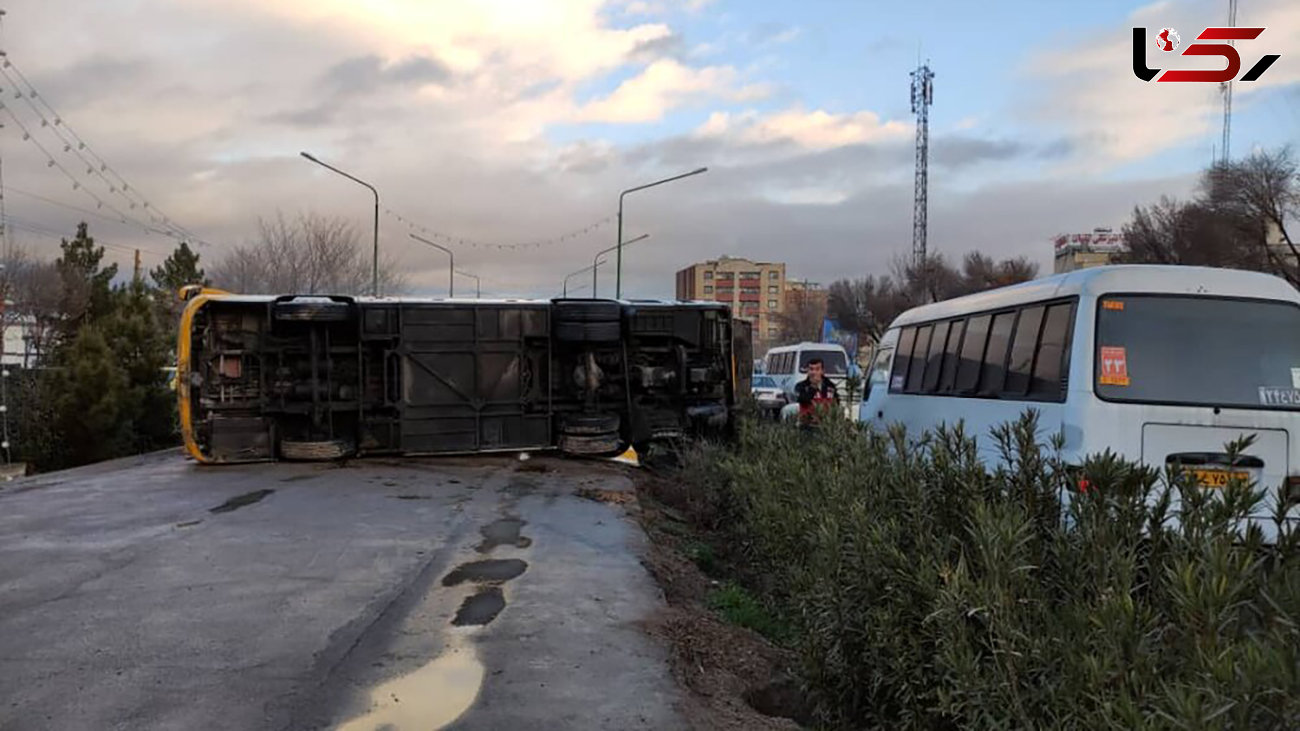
[374, 278]
[451, 266]
[596, 264]
[478, 290]
[618, 286]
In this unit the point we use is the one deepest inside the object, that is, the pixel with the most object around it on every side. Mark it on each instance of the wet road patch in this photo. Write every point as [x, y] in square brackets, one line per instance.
[503, 532]
[481, 608]
[239, 501]
[412, 497]
[492, 570]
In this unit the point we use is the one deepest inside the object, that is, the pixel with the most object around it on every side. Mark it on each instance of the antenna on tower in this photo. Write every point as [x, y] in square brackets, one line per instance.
[922, 97]
[1226, 89]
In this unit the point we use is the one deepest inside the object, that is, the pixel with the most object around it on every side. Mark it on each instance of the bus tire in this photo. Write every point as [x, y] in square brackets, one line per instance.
[587, 311]
[322, 451]
[592, 445]
[312, 311]
[588, 332]
[590, 424]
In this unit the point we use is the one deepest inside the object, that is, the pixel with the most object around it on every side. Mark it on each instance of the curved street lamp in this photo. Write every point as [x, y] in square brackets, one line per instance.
[618, 286]
[596, 264]
[374, 274]
[451, 266]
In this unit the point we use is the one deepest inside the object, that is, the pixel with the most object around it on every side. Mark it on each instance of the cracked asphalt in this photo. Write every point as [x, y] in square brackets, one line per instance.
[151, 593]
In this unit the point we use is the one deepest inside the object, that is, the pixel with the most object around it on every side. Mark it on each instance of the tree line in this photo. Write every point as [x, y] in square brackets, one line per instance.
[1240, 217]
[102, 347]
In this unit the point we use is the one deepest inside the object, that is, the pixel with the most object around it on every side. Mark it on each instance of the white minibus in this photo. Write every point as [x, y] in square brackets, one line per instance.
[1159, 364]
[788, 364]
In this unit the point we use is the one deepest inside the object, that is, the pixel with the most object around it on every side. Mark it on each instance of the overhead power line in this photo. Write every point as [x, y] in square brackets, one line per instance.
[36, 228]
[73, 143]
[533, 244]
[86, 211]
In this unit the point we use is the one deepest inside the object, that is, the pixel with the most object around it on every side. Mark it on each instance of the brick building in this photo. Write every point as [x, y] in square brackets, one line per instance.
[756, 291]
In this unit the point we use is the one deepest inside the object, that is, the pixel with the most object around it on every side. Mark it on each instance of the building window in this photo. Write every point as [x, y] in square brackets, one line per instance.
[774, 290]
[749, 290]
[771, 304]
[774, 276]
[751, 275]
[708, 289]
[771, 332]
[724, 275]
[708, 275]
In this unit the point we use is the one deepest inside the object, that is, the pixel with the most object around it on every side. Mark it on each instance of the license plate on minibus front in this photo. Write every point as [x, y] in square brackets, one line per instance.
[1215, 477]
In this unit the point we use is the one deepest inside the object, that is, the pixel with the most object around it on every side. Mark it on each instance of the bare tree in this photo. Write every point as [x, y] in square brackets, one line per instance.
[32, 290]
[1260, 193]
[802, 318]
[312, 254]
[867, 305]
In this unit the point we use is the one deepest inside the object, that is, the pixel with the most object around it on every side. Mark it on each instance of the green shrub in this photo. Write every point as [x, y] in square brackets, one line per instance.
[739, 607]
[924, 589]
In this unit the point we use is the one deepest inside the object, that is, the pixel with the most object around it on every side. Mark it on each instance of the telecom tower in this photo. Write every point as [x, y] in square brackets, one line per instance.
[1226, 89]
[922, 97]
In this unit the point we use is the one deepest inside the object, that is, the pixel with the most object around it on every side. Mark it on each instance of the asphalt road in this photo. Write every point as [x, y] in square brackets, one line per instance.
[150, 593]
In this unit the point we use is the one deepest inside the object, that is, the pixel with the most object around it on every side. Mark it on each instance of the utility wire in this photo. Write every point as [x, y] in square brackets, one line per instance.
[94, 161]
[86, 211]
[36, 228]
[537, 243]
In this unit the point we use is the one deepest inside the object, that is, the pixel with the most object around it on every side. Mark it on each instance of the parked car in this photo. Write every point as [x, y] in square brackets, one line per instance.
[768, 394]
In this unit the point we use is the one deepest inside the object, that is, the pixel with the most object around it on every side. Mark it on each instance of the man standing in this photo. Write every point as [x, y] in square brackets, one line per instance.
[815, 394]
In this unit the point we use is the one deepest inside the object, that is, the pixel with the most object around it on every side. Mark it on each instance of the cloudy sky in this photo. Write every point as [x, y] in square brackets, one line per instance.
[510, 121]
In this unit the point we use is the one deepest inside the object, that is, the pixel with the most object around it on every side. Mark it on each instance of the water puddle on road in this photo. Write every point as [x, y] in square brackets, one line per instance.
[239, 501]
[489, 570]
[429, 698]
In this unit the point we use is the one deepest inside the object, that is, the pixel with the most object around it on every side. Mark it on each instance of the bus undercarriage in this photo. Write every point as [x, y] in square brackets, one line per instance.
[319, 378]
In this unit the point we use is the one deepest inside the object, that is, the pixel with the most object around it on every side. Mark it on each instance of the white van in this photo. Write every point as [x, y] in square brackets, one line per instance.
[787, 364]
[1159, 364]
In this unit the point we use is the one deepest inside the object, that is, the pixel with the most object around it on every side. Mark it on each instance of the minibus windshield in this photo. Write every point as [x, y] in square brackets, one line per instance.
[1198, 351]
[833, 361]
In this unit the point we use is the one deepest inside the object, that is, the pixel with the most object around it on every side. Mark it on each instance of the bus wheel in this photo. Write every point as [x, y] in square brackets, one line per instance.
[319, 311]
[322, 451]
[590, 424]
[594, 445]
[588, 332]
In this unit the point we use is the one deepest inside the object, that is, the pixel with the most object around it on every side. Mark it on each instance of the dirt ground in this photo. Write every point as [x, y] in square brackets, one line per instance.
[736, 678]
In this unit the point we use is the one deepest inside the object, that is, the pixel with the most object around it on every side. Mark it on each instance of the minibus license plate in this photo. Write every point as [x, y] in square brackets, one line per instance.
[1216, 478]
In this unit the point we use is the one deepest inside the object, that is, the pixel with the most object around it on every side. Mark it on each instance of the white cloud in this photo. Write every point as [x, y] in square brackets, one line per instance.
[815, 130]
[1088, 88]
[665, 84]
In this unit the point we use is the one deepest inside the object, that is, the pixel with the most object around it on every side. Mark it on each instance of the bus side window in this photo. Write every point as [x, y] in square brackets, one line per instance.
[1048, 381]
[902, 358]
[1020, 366]
[934, 359]
[994, 372]
[951, 357]
[972, 354]
[916, 366]
[879, 376]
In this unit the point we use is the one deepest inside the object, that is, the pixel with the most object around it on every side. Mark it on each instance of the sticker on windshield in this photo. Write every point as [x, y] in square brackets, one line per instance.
[897, 383]
[1279, 396]
[1112, 305]
[1114, 366]
[1295, 377]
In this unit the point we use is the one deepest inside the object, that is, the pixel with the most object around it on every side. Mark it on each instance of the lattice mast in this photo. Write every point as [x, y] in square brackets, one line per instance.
[922, 97]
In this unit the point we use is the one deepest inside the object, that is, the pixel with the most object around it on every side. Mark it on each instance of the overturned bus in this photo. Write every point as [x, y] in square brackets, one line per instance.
[322, 378]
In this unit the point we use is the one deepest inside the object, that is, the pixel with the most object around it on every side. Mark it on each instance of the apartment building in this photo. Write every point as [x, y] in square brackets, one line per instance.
[756, 291]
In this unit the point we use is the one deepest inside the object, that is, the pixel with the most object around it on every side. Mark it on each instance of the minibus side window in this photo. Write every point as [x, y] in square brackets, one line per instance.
[916, 368]
[951, 356]
[934, 360]
[1049, 366]
[995, 355]
[972, 354]
[1021, 364]
[902, 357]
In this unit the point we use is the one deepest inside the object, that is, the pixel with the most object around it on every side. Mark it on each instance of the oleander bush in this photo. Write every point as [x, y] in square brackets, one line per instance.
[923, 588]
